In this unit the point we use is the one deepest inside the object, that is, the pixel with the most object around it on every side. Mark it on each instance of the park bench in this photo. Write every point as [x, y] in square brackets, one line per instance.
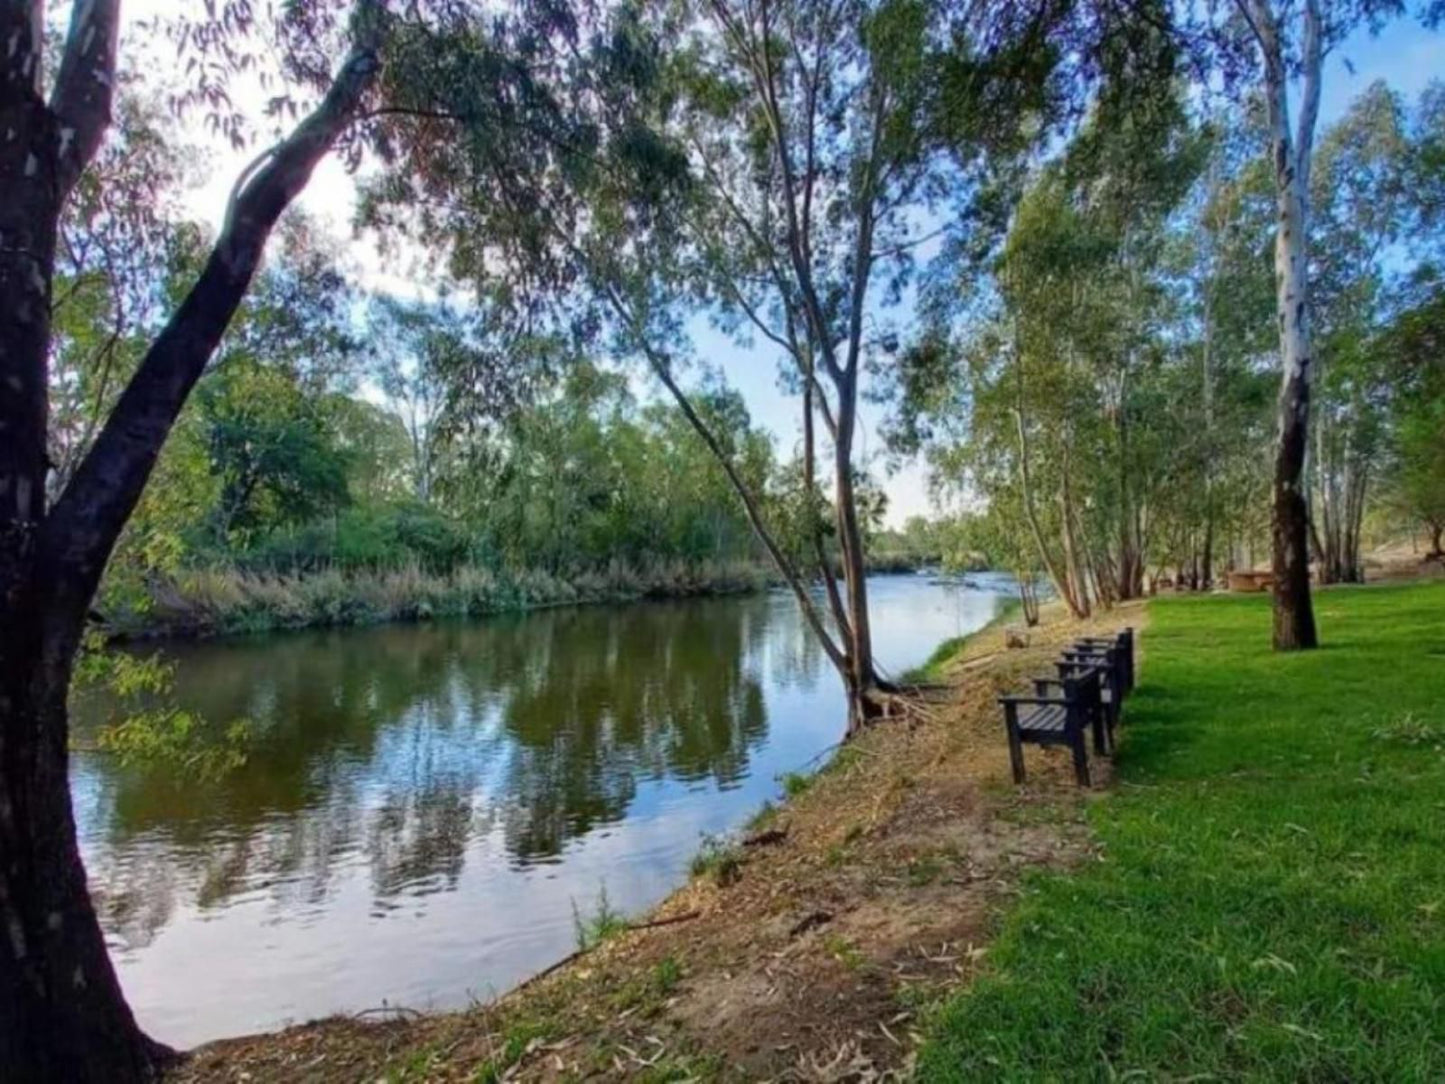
[1123, 646]
[1093, 675]
[1101, 722]
[1116, 655]
[1056, 720]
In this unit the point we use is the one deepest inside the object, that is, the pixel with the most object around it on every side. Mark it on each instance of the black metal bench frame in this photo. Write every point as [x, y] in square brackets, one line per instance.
[1056, 720]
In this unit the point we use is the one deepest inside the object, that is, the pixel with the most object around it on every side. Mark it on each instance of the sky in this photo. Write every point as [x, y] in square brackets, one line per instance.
[1406, 56]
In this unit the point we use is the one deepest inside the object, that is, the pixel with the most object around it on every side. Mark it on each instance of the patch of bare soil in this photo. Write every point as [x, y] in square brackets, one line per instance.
[809, 954]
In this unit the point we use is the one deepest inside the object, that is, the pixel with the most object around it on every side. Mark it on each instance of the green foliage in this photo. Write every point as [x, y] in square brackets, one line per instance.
[140, 727]
[666, 974]
[517, 1040]
[601, 925]
[796, 784]
[765, 815]
[719, 859]
[844, 951]
[1268, 904]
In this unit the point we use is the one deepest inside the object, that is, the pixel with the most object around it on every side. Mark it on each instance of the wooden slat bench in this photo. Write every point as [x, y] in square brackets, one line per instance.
[1123, 645]
[1050, 720]
[1105, 715]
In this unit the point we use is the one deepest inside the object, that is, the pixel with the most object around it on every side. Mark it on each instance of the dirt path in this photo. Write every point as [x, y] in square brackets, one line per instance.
[808, 954]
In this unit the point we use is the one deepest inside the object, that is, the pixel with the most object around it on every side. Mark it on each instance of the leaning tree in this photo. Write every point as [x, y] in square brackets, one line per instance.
[62, 1013]
[779, 165]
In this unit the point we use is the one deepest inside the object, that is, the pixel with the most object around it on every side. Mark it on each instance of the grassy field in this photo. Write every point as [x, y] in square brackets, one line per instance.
[1271, 899]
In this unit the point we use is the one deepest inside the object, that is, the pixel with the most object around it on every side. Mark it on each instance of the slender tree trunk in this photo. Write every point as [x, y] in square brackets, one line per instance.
[862, 679]
[1073, 569]
[1206, 560]
[1028, 597]
[1057, 575]
[1294, 619]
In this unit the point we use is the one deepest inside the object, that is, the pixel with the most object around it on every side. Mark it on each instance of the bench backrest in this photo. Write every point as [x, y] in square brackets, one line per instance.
[1081, 687]
[1120, 651]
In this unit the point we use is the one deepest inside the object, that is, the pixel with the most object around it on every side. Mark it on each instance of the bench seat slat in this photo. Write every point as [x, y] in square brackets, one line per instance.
[1045, 718]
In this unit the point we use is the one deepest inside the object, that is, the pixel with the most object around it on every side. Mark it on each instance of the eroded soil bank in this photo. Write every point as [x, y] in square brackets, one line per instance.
[809, 949]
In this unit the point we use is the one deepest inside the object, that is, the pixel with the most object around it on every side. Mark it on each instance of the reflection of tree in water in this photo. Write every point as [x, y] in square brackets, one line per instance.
[659, 691]
[397, 746]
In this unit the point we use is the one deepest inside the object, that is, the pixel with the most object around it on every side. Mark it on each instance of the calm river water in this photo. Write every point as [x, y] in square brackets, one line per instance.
[423, 804]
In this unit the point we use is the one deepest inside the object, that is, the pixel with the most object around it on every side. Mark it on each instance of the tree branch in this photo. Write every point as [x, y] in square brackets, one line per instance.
[1313, 63]
[85, 87]
[82, 530]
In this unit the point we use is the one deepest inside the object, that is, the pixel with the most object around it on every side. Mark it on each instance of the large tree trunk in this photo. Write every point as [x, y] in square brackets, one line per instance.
[1294, 620]
[63, 1016]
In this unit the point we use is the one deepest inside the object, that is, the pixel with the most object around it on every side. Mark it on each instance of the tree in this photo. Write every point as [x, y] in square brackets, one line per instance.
[1053, 397]
[1291, 148]
[768, 162]
[1415, 344]
[1291, 40]
[62, 1013]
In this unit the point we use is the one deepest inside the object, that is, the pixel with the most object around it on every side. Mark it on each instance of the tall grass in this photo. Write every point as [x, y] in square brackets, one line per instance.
[213, 601]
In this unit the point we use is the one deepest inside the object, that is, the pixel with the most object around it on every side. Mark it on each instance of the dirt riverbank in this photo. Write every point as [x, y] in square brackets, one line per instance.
[810, 948]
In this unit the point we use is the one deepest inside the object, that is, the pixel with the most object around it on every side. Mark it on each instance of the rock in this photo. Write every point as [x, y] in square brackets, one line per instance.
[1015, 637]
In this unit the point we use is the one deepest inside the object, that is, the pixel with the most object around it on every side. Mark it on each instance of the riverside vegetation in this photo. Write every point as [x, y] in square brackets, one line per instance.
[1145, 306]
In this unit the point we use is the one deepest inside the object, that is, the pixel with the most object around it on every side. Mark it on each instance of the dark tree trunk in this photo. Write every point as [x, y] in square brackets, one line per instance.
[63, 1016]
[1294, 619]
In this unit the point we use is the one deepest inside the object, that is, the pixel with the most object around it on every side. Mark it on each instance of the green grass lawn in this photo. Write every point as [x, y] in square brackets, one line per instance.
[1271, 900]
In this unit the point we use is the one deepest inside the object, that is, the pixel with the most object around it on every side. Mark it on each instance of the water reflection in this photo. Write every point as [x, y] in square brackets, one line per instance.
[411, 787]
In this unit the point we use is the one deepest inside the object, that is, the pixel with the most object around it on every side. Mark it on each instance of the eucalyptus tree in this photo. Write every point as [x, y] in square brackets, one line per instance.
[1046, 398]
[1363, 206]
[1413, 342]
[1218, 259]
[1272, 47]
[770, 162]
[62, 1013]
[417, 349]
[115, 237]
[821, 138]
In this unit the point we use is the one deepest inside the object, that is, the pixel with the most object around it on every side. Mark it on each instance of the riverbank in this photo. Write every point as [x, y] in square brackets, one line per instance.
[216, 602]
[820, 937]
[203, 603]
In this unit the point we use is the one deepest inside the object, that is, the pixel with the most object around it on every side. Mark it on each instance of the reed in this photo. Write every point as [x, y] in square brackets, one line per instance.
[217, 601]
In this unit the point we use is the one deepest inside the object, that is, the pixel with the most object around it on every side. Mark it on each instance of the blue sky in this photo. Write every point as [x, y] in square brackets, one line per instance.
[1405, 55]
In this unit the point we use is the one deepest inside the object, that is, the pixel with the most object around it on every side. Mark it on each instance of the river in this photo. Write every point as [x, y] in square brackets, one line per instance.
[424, 805]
